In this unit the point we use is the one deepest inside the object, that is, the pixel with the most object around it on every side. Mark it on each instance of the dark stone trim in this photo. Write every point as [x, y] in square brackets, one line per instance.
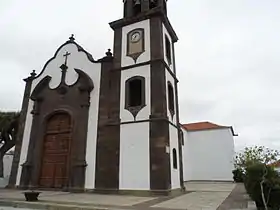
[75, 101]
[19, 138]
[155, 12]
[160, 174]
[135, 56]
[134, 110]
[149, 63]
[44, 83]
[145, 5]
[142, 121]
[180, 136]
[132, 66]
[171, 99]
[171, 72]
[32, 166]
[87, 85]
[108, 137]
[140, 193]
[168, 47]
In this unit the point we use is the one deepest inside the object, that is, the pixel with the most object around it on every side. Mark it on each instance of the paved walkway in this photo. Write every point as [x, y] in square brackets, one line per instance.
[199, 196]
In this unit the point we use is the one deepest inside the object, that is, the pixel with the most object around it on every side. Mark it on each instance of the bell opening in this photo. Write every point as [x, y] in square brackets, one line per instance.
[137, 7]
[153, 4]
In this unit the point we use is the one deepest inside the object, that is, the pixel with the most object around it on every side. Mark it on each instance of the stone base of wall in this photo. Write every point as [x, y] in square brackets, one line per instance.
[4, 182]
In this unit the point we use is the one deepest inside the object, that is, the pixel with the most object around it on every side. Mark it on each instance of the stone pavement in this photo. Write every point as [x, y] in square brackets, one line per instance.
[238, 199]
[199, 196]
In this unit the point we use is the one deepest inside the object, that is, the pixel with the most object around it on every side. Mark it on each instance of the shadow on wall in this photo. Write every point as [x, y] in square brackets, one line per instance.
[8, 160]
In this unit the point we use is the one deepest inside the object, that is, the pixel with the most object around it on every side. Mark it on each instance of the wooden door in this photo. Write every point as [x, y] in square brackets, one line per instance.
[56, 151]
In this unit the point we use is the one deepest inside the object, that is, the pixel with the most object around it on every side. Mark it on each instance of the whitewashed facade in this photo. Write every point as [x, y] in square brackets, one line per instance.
[7, 161]
[208, 153]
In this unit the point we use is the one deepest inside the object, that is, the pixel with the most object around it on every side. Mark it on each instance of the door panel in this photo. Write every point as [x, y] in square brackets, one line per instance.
[56, 150]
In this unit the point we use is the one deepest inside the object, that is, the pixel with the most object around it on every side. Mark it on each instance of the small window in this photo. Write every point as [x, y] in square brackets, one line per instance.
[153, 4]
[168, 49]
[182, 137]
[135, 95]
[137, 7]
[171, 98]
[175, 164]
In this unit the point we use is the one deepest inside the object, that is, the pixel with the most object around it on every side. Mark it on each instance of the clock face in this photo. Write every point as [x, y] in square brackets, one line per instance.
[136, 36]
[135, 43]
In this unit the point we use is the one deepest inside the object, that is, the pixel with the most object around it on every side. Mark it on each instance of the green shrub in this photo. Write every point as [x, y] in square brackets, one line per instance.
[275, 196]
[238, 175]
[253, 178]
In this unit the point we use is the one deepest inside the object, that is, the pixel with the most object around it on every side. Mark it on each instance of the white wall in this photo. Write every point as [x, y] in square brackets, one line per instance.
[175, 173]
[186, 155]
[25, 140]
[78, 60]
[146, 56]
[134, 157]
[144, 113]
[7, 161]
[208, 155]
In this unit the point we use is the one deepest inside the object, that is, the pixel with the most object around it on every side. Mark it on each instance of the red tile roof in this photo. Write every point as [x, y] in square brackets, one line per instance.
[275, 164]
[201, 126]
[204, 126]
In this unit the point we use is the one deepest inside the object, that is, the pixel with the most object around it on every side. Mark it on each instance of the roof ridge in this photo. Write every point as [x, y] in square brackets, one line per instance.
[202, 122]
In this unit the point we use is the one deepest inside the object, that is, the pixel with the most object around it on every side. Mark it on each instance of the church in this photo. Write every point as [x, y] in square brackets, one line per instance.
[108, 124]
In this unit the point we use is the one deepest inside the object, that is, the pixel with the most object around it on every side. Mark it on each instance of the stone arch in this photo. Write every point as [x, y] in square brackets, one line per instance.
[171, 99]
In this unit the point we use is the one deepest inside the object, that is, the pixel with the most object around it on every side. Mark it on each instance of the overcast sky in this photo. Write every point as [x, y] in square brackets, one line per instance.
[228, 55]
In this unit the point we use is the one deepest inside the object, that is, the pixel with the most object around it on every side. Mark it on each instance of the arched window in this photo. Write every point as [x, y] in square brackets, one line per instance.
[168, 49]
[171, 98]
[135, 92]
[174, 153]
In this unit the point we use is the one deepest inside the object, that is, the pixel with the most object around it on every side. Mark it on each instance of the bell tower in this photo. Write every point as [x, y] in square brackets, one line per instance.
[135, 7]
[143, 118]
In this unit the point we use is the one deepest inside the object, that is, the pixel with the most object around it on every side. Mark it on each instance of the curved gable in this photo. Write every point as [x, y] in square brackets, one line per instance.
[77, 58]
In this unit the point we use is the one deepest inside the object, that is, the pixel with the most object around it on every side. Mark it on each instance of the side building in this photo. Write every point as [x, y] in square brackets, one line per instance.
[208, 152]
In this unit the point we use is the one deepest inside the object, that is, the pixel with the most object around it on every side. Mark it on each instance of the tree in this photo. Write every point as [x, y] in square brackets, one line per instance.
[8, 130]
[258, 158]
[255, 155]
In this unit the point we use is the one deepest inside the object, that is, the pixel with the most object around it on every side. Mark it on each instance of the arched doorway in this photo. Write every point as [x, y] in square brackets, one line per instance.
[56, 152]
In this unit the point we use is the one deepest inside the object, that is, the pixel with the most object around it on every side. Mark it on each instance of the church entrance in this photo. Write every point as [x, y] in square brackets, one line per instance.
[56, 152]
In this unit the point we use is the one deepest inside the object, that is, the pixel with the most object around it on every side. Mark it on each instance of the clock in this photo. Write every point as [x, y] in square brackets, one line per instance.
[135, 43]
[135, 37]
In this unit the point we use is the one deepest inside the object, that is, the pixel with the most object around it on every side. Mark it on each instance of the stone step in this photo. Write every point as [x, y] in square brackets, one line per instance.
[51, 206]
